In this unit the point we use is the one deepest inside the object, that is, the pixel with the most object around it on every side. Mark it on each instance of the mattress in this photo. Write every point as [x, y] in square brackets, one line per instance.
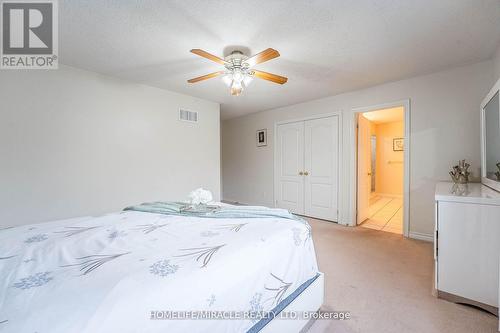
[142, 272]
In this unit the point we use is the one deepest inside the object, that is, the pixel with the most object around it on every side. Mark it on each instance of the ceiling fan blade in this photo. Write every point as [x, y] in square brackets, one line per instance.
[208, 56]
[205, 77]
[269, 77]
[263, 56]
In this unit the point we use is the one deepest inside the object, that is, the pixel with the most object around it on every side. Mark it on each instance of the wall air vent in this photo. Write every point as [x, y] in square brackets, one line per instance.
[186, 115]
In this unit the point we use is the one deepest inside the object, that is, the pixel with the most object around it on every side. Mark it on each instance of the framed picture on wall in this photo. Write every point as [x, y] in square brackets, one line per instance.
[398, 144]
[262, 137]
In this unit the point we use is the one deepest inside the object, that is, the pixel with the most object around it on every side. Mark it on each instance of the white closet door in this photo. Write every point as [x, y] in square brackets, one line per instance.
[321, 167]
[289, 163]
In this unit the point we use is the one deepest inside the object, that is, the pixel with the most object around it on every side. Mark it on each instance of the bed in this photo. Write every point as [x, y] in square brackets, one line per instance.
[143, 271]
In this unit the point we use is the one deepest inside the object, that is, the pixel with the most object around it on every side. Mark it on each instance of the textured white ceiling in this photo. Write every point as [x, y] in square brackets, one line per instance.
[327, 47]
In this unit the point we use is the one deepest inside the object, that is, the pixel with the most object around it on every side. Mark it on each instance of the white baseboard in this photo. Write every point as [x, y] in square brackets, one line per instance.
[228, 201]
[422, 236]
[234, 202]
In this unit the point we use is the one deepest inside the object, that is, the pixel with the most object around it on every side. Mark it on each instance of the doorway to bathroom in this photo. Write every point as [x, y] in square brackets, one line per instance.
[381, 144]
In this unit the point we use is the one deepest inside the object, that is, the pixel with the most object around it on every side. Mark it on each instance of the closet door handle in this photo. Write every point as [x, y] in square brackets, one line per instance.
[306, 173]
[301, 173]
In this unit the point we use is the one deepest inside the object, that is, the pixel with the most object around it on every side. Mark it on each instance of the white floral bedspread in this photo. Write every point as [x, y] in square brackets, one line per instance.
[108, 273]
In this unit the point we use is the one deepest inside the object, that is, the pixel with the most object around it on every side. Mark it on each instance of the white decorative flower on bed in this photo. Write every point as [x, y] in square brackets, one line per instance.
[200, 196]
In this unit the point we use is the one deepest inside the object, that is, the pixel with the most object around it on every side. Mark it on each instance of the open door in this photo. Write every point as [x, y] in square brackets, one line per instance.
[364, 168]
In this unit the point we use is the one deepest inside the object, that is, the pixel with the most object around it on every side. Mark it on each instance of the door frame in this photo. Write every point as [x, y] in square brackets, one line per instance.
[354, 160]
[340, 151]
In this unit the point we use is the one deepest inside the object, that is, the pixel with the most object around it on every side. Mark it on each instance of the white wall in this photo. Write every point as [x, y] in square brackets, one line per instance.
[496, 62]
[75, 143]
[444, 129]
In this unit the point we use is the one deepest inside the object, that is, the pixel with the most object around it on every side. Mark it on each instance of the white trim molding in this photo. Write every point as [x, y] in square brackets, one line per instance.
[485, 180]
[353, 160]
[422, 236]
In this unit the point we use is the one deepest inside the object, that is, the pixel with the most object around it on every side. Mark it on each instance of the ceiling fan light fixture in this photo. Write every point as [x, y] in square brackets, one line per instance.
[228, 79]
[236, 88]
[238, 70]
[247, 80]
[237, 79]
[238, 75]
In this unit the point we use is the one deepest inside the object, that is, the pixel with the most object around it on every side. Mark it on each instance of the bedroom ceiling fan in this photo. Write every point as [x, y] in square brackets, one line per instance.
[238, 71]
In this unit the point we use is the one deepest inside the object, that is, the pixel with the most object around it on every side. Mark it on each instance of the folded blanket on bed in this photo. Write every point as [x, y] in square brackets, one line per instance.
[211, 211]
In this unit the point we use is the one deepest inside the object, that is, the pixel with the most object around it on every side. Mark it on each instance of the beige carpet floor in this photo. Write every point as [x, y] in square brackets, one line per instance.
[386, 282]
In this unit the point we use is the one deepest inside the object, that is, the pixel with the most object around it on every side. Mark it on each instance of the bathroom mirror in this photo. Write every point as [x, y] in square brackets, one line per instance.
[490, 138]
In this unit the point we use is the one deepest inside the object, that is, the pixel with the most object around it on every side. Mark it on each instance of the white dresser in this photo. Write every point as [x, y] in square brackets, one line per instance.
[467, 244]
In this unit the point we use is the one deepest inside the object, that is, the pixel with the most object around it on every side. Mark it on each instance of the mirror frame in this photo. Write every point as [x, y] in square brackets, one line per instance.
[486, 181]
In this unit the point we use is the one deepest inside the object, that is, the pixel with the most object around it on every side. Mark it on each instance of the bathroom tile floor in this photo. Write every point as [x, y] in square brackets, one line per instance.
[385, 214]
